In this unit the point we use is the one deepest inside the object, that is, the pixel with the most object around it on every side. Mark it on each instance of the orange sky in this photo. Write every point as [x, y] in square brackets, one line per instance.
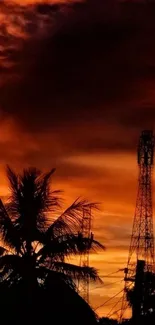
[76, 89]
[111, 180]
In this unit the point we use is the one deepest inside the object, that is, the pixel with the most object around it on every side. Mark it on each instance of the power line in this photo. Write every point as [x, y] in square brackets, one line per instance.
[111, 283]
[125, 305]
[116, 304]
[108, 275]
[109, 299]
[111, 304]
[109, 314]
[115, 312]
[106, 285]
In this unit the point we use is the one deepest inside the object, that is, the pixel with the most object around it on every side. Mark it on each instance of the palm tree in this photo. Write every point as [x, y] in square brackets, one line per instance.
[36, 242]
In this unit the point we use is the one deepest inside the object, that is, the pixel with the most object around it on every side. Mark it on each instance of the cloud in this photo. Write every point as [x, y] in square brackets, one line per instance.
[77, 86]
[75, 64]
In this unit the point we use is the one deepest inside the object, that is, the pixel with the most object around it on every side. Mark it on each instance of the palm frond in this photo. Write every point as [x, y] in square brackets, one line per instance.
[30, 200]
[13, 178]
[49, 276]
[49, 199]
[70, 220]
[17, 267]
[76, 272]
[29, 205]
[8, 232]
[67, 245]
[10, 260]
[15, 196]
[3, 251]
[10, 264]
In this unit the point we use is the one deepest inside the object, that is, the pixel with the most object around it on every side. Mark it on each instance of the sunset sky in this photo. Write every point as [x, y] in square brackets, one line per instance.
[77, 86]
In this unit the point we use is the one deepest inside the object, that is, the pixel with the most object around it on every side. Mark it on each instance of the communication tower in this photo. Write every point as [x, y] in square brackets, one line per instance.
[141, 251]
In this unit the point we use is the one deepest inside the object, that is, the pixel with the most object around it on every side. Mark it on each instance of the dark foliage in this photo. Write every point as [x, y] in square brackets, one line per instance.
[37, 284]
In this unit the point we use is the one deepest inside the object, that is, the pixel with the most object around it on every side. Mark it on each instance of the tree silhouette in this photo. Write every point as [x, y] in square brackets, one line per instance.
[36, 242]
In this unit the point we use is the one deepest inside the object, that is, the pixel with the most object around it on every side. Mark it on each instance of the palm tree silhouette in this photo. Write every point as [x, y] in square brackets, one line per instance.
[36, 242]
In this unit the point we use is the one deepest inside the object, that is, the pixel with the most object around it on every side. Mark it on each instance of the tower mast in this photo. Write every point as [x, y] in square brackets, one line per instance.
[83, 287]
[141, 251]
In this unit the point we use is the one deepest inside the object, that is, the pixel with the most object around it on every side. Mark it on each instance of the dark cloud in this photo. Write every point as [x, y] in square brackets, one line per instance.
[77, 65]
